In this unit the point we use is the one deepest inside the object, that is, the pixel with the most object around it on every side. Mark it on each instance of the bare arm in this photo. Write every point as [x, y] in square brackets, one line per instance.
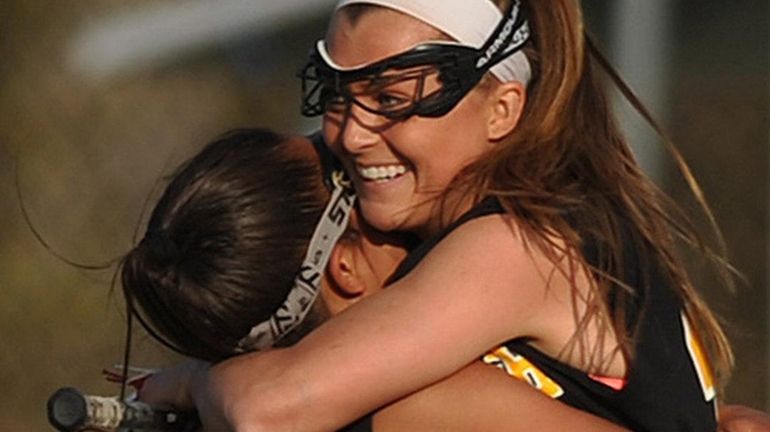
[737, 418]
[461, 300]
[480, 397]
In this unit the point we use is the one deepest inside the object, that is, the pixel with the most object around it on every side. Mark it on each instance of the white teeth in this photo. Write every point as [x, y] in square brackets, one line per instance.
[382, 172]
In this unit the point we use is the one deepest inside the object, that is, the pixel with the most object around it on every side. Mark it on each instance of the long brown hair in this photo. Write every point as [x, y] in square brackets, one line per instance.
[567, 170]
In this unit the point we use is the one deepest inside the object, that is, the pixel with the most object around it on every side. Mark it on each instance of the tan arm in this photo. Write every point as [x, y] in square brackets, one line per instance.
[737, 418]
[482, 398]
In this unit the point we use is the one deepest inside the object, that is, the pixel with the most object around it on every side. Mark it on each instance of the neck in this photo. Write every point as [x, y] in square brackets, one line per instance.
[446, 209]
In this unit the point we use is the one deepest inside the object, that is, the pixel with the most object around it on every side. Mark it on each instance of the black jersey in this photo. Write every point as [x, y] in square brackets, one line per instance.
[668, 385]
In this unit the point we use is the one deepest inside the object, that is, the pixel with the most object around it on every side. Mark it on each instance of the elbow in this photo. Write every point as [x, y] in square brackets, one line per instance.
[271, 411]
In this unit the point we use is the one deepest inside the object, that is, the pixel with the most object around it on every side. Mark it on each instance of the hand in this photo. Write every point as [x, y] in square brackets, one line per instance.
[737, 418]
[209, 390]
[135, 378]
[171, 385]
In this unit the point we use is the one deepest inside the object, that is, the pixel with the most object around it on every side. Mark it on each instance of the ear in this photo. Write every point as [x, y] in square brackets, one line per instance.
[346, 282]
[507, 105]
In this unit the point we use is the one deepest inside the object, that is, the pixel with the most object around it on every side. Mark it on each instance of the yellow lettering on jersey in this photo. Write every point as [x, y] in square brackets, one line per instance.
[519, 367]
[699, 360]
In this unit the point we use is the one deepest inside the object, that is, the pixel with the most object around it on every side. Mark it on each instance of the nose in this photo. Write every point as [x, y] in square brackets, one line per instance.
[357, 130]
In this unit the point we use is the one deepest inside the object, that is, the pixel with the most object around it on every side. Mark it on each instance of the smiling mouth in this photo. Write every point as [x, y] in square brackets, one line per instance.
[382, 173]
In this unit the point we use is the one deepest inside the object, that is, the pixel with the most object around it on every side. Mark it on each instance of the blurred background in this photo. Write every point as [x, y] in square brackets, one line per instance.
[100, 99]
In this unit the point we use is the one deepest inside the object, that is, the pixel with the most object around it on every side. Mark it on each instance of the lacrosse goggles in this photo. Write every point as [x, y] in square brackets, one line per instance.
[395, 87]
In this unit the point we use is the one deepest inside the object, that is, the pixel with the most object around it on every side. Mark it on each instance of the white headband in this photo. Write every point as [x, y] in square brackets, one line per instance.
[469, 22]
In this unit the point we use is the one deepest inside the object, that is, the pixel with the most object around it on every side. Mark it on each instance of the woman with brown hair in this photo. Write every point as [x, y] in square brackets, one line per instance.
[482, 127]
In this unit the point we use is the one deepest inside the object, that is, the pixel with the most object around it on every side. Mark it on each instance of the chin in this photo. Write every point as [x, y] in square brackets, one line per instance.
[383, 217]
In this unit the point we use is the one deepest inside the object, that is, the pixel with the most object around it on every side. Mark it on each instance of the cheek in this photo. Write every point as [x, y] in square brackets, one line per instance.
[464, 136]
[419, 139]
[439, 148]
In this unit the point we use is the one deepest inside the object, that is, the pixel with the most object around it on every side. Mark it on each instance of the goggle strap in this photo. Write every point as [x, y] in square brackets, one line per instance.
[307, 283]
[498, 46]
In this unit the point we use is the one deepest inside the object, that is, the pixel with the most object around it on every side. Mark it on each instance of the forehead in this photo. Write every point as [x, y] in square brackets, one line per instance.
[377, 34]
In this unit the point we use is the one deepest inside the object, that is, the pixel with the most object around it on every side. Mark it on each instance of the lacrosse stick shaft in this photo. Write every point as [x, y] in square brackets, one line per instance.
[72, 411]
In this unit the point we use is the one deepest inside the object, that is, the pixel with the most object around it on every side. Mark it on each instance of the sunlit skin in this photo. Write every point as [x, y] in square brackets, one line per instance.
[360, 264]
[736, 418]
[364, 257]
[432, 150]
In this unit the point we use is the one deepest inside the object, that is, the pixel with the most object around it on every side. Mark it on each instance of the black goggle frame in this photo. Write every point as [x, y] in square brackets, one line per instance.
[458, 67]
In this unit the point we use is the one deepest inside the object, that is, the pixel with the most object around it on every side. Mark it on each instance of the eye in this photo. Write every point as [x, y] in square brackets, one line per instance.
[390, 100]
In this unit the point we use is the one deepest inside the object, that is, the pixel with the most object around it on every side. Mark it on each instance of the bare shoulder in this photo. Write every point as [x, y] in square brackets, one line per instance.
[496, 237]
[487, 264]
[494, 227]
[494, 267]
[490, 251]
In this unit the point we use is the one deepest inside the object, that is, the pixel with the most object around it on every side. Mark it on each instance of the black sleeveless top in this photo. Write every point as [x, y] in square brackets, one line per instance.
[668, 385]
